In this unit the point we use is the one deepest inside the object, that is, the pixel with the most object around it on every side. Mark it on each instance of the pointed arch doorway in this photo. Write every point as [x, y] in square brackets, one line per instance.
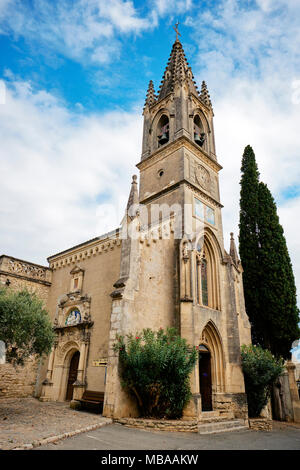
[72, 376]
[205, 378]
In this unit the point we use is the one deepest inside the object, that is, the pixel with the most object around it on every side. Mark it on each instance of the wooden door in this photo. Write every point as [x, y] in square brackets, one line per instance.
[205, 380]
[72, 375]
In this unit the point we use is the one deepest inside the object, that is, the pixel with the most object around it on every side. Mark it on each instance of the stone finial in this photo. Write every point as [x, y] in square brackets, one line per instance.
[133, 199]
[204, 95]
[150, 96]
[233, 251]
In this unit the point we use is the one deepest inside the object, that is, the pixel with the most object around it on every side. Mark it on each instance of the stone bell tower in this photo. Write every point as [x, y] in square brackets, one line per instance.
[185, 279]
[178, 151]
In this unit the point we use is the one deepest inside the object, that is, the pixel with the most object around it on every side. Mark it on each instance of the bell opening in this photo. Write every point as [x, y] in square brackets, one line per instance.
[163, 130]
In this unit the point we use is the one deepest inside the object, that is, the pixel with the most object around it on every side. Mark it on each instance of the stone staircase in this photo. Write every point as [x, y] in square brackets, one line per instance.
[212, 422]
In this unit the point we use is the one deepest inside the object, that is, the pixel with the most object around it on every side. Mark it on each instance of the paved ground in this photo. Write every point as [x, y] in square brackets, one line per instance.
[25, 420]
[118, 437]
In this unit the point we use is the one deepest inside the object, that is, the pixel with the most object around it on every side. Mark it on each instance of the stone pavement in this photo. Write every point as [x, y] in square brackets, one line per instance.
[118, 437]
[26, 420]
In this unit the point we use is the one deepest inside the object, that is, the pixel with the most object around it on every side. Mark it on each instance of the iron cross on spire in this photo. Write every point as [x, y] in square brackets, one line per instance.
[176, 29]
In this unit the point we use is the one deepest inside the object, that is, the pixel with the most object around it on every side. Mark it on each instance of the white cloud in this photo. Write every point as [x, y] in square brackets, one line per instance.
[165, 7]
[123, 16]
[60, 171]
[84, 30]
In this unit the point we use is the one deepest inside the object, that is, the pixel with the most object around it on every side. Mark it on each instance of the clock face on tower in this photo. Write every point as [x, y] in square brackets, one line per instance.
[203, 177]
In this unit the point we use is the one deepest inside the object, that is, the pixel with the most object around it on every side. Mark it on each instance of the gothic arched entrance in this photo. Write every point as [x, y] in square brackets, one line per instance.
[205, 378]
[72, 376]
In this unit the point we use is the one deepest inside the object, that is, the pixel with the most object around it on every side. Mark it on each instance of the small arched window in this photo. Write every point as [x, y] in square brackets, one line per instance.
[199, 134]
[163, 131]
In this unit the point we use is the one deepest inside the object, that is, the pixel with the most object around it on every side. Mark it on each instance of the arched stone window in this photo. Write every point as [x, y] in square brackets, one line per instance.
[207, 282]
[199, 132]
[163, 130]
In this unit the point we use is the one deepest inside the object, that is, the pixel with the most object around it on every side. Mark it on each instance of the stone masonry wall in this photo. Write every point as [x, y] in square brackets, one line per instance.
[19, 382]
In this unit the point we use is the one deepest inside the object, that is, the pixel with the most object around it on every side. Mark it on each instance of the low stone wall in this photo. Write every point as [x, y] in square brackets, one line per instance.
[159, 424]
[17, 382]
[260, 424]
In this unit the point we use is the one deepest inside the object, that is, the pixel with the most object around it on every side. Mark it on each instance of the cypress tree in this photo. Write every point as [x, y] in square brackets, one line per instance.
[248, 239]
[269, 284]
[277, 291]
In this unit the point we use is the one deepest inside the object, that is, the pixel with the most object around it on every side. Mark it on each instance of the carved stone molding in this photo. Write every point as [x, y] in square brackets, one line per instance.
[73, 300]
[25, 269]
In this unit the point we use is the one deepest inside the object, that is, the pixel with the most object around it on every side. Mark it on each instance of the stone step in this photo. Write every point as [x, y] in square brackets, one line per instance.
[212, 418]
[222, 426]
[209, 414]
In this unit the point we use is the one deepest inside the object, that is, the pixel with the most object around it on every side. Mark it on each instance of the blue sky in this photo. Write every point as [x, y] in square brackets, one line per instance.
[73, 78]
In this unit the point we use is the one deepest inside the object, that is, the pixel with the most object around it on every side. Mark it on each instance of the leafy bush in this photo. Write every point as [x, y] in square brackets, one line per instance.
[155, 369]
[25, 325]
[260, 369]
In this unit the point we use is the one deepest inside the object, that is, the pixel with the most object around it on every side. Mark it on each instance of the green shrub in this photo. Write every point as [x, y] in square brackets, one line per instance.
[260, 369]
[25, 326]
[155, 369]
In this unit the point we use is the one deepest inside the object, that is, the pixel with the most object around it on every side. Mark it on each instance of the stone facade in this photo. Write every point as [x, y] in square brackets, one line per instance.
[82, 281]
[165, 266]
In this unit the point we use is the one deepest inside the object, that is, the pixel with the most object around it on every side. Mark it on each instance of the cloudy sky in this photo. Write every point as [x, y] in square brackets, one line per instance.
[73, 81]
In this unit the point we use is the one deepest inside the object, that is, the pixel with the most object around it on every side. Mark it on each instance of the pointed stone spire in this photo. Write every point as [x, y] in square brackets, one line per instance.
[129, 246]
[204, 95]
[133, 199]
[177, 70]
[150, 96]
[233, 251]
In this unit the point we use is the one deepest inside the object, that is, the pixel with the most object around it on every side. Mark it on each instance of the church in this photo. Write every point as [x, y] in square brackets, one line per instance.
[165, 266]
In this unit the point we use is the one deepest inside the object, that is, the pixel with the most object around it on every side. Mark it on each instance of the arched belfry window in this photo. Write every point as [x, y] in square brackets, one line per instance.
[199, 134]
[207, 282]
[163, 131]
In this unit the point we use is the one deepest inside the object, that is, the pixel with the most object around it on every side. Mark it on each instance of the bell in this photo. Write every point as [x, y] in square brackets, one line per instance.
[163, 138]
[199, 138]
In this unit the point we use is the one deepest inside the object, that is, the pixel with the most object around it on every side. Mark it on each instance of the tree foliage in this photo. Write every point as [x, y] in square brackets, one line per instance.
[248, 237]
[155, 369]
[269, 285]
[278, 301]
[25, 326]
[261, 369]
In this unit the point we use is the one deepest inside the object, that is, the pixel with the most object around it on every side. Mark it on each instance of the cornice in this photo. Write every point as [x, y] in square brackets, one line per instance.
[196, 190]
[76, 255]
[171, 147]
